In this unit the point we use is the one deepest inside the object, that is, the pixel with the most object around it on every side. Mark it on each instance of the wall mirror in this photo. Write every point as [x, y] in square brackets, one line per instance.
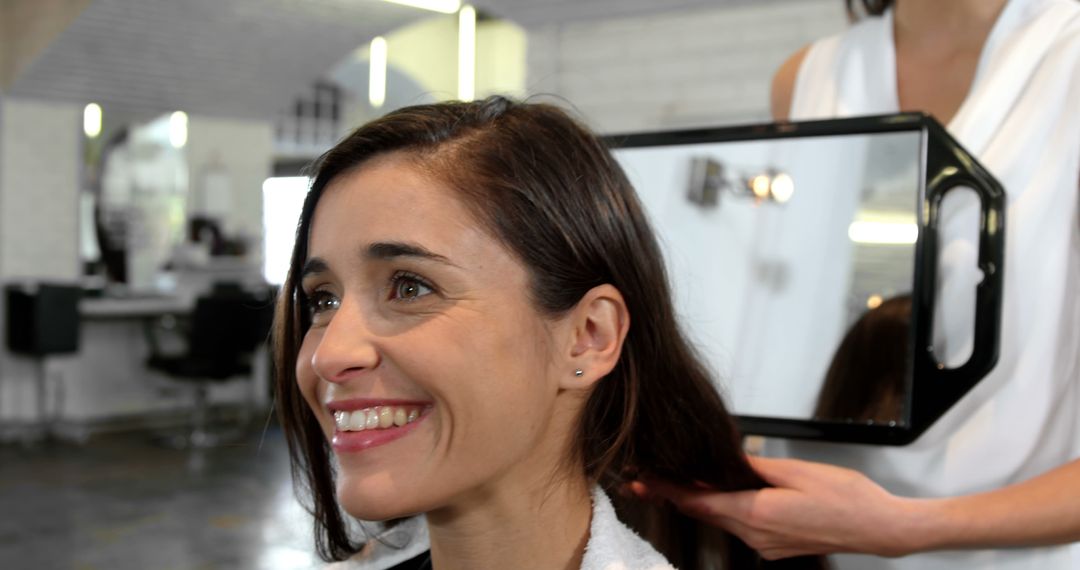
[803, 259]
[135, 201]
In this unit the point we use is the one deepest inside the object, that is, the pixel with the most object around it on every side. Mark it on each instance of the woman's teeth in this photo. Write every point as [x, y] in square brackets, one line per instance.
[380, 417]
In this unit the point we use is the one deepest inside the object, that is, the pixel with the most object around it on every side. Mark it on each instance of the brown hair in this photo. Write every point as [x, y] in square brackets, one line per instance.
[867, 377]
[553, 194]
[869, 7]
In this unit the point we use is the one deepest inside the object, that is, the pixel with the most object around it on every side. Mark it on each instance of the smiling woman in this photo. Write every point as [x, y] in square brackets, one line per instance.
[477, 328]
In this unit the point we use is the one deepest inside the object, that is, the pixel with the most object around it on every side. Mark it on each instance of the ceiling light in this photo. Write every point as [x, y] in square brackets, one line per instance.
[467, 53]
[759, 185]
[92, 120]
[178, 129]
[444, 6]
[883, 233]
[782, 187]
[377, 73]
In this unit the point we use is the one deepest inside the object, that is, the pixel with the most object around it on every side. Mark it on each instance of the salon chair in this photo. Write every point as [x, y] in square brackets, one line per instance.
[221, 337]
[42, 322]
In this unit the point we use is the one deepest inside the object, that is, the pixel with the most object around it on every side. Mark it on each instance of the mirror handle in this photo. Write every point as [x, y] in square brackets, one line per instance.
[991, 256]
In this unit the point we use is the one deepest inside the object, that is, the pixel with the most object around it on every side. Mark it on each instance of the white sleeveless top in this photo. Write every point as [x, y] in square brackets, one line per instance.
[1021, 119]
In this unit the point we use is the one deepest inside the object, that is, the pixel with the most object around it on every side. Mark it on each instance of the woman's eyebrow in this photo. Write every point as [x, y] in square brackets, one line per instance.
[313, 265]
[391, 250]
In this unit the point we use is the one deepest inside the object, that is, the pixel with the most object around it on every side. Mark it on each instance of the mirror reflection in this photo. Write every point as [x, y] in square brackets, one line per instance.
[792, 262]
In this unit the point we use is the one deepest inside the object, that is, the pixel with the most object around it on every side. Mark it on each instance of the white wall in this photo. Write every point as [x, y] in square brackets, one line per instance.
[685, 69]
[39, 182]
[244, 151]
[501, 55]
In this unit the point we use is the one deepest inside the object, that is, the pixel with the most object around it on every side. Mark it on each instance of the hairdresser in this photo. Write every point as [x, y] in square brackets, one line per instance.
[995, 483]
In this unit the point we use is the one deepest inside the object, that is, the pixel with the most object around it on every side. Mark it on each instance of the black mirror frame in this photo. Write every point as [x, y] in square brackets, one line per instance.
[944, 166]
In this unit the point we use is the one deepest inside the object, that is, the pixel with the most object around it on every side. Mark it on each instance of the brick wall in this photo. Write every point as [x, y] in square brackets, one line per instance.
[39, 183]
[682, 69]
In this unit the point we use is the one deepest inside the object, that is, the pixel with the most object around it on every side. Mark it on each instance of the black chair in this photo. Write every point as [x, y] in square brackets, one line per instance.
[221, 336]
[43, 321]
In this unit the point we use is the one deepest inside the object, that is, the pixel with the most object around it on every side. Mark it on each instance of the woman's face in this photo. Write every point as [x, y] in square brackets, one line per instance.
[426, 365]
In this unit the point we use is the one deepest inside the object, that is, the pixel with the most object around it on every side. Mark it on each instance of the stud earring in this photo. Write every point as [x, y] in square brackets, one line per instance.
[579, 372]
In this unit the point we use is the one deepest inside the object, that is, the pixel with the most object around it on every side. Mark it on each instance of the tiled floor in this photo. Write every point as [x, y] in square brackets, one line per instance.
[120, 502]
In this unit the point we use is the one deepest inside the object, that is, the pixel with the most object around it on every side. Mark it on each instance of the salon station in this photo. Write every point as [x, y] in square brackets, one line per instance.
[155, 157]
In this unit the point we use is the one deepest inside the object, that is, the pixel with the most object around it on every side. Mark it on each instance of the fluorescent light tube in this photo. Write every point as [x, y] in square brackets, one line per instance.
[377, 73]
[444, 6]
[467, 53]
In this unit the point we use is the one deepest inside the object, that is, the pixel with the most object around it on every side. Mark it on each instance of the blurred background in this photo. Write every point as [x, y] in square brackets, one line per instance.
[151, 156]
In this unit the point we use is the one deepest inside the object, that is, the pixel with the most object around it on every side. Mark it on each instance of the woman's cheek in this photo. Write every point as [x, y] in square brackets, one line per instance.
[306, 379]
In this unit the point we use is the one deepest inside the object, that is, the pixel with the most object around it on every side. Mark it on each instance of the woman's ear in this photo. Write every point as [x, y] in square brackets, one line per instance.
[597, 327]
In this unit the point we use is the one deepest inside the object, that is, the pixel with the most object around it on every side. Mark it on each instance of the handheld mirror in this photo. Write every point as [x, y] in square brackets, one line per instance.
[803, 258]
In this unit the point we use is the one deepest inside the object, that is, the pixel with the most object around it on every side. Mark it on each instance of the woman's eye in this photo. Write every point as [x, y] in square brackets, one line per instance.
[321, 301]
[408, 288]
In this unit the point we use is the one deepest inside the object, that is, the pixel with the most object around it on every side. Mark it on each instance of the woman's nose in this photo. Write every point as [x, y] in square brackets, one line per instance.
[347, 346]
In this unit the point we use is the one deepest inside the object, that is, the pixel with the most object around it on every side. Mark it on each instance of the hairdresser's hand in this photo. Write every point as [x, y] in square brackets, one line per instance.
[813, 509]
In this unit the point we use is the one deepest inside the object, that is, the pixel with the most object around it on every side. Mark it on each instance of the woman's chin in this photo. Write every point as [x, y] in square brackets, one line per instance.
[373, 500]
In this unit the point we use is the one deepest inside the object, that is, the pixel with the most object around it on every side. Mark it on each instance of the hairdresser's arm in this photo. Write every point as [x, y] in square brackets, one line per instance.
[783, 85]
[819, 509]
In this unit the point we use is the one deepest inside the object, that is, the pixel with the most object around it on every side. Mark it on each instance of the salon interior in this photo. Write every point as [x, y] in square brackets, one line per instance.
[152, 170]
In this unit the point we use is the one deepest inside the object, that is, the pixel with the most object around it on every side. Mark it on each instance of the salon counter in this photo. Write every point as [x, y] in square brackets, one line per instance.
[138, 307]
[108, 383]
